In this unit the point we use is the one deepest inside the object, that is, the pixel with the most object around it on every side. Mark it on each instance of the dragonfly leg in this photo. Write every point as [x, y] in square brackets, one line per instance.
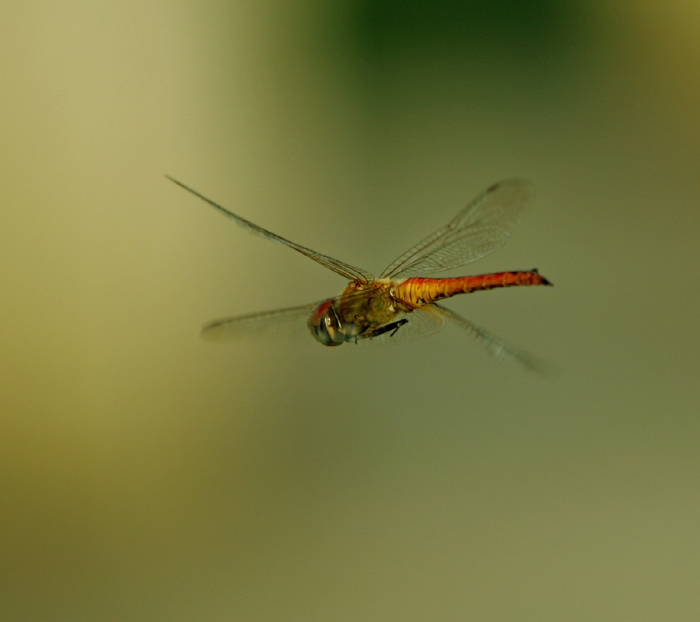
[396, 326]
[388, 328]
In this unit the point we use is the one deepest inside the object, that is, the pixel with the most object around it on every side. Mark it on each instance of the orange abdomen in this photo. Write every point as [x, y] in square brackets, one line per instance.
[418, 291]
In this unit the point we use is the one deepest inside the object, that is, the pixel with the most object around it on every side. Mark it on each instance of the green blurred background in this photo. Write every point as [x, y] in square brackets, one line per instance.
[146, 475]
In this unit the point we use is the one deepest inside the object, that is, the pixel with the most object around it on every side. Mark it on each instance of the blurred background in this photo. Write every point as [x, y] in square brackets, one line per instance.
[147, 475]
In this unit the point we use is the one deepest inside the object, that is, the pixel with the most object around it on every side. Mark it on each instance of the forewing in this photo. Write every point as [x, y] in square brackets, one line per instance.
[496, 347]
[280, 320]
[349, 272]
[479, 229]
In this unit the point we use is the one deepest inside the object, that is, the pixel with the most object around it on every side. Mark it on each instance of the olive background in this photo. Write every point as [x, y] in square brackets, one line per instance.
[147, 475]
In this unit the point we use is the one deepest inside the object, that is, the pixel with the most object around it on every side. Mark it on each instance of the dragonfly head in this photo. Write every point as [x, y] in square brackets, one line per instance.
[325, 325]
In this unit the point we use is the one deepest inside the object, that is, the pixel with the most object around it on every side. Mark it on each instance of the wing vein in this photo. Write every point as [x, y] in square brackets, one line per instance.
[340, 267]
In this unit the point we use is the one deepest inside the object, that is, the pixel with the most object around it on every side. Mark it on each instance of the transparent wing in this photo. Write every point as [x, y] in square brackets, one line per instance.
[479, 229]
[231, 328]
[496, 347]
[349, 272]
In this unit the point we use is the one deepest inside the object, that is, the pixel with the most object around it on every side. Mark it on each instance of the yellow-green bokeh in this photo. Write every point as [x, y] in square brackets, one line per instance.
[146, 475]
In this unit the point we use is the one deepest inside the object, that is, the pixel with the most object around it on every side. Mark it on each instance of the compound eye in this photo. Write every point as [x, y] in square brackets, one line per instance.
[325, 325]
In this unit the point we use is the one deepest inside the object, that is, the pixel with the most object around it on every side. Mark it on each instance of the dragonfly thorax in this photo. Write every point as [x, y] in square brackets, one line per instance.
[362, 311]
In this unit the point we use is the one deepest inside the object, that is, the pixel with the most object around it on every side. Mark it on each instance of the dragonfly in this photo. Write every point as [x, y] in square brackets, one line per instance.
[402, 301]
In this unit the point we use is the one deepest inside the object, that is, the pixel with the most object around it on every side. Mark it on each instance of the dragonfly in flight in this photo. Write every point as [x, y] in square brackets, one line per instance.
[402, 301]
